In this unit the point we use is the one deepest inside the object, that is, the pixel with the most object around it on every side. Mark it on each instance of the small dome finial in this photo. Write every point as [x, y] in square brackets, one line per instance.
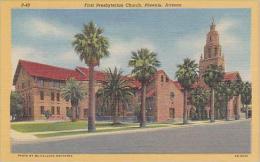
[212, 26]
[213, 20]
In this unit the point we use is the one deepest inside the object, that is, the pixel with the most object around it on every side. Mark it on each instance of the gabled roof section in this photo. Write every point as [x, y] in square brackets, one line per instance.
[231, 76]
[133, 82]
[175, 82]
[58, 73]
[46, 71]
[101, 76]
[82, 73]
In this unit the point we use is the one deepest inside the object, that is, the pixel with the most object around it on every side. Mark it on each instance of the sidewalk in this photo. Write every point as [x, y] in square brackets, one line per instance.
[22, 136]
[18, 137]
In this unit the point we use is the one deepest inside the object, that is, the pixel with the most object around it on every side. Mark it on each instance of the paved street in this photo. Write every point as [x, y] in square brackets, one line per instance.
[233, 137]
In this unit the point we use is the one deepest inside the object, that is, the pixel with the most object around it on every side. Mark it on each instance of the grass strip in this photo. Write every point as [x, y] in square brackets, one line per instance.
[60, 126]
[56, 134]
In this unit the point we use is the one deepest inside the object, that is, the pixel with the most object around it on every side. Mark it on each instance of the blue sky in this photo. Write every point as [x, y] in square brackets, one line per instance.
[45, 35]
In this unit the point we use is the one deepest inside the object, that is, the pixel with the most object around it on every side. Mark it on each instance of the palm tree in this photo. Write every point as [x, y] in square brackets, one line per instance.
[144, 63]
[199, 98]
[224, 93]
[236, 86]
[91, 46]
[72, 92]
[212, 76]
[116, 91]
[246, 95]
[104, 102]
[187, 75]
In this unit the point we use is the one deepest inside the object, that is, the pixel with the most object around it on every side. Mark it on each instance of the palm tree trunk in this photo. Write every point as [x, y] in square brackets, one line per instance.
[115, 118]
[197, 113]
[185, 121]
[123, 113]
[237, 117]
[118, 112]
[212, 109]
[73, 118]
[226, 110]
[77, 112]
[143, 115]
[201, 114]
[113, 109]
[246, 112]
[91, 114]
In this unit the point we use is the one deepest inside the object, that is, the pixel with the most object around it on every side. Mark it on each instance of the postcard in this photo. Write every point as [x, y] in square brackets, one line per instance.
[129, 81]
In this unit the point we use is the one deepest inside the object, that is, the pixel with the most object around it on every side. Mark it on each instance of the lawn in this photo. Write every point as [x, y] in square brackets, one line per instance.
[66, 128]
[44, 135]
[59, 126]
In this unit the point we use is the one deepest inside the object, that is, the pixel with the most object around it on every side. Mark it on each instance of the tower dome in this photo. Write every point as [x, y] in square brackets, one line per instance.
[212, 50]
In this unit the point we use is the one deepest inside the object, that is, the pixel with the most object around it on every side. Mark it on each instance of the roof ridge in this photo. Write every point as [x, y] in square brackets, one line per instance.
[81, 67]
[99, 71]
[80, 70]
[229, 72]
[45, 64]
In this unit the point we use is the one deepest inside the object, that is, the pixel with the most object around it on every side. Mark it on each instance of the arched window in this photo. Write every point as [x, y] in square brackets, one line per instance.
[209, 54]
[167, 79]
[161, 78]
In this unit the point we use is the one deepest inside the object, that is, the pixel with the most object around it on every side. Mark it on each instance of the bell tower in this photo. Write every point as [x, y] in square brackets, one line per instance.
[212, 51]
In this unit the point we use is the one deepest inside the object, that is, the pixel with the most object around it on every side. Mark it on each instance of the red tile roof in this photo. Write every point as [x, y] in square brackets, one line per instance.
[232, 76]
[46, 71]
[177, 84]
[227, 76]
[98, 75]
[101, 76]
[160, 71]
[58, 73]
[81, 73]
[135, 83]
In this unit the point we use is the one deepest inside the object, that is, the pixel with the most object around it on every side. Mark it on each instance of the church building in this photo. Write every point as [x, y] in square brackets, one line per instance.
[40, 86]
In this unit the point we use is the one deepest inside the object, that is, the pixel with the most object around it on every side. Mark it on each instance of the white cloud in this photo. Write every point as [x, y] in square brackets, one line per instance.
[120, 51]
[66, 58]
[227, 38]
[226, 24]
[193, 44]
[120, 54]
[39, 27]
[46, 28]
[25, 53]
[196, 41]
[234, 48]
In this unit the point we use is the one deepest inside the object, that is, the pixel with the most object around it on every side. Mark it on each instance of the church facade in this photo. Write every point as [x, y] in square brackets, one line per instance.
[40, 86]
[213, 55]
[212, 51]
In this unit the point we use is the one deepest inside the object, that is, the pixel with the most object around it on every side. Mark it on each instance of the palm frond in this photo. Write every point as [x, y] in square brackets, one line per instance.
[91, 45]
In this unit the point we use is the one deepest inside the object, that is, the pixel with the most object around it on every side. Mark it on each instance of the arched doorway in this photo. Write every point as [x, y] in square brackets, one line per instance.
[172, 113]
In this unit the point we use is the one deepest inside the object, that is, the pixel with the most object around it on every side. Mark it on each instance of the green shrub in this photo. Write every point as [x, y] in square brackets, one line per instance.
[47, 114]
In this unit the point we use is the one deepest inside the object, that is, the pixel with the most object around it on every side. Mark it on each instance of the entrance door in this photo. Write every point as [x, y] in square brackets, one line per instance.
[172, 113]
[85, 113]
